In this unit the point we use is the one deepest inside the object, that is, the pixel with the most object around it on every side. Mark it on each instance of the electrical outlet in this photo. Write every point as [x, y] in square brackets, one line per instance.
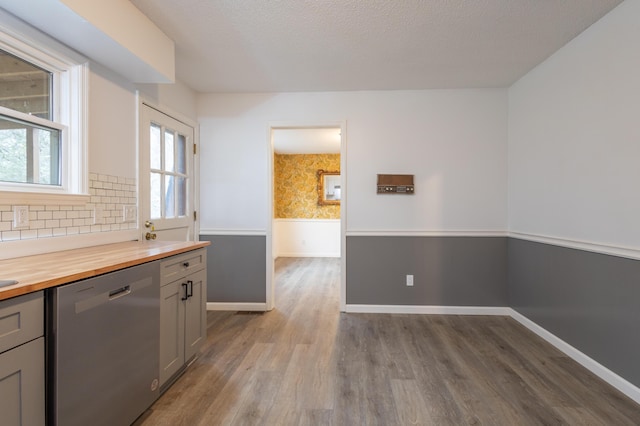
[410, 280]
[129, 213]
[98, 215]
[20, 216]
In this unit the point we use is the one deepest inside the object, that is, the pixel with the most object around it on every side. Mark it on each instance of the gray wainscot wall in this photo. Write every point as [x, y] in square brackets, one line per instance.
[448, 271]
[236, 268]
[589, 300]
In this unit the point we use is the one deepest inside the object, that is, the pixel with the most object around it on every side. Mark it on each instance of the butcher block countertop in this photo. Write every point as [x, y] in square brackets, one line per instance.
[43, 271]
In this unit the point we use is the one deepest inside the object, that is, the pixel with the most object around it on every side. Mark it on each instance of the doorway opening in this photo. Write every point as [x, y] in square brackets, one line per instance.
[307, 197]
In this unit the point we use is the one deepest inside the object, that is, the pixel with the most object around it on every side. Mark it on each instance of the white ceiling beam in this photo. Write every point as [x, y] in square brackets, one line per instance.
[113, 33]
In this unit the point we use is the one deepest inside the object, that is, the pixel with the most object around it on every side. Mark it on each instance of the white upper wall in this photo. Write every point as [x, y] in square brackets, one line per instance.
[113, 118]
[453, 141]
[112, 124]
[113, 121]
[574, 138]
[176, 98]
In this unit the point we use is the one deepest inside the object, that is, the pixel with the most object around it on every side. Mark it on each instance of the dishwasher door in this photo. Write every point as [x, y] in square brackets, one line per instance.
[105, 355]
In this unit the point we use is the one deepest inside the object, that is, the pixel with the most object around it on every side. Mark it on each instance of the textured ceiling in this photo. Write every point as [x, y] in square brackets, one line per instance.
[327, 45]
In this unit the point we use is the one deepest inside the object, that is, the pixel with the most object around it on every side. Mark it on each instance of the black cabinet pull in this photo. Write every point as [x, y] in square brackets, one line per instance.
[186, 291]
[190, 294]
[185, 264]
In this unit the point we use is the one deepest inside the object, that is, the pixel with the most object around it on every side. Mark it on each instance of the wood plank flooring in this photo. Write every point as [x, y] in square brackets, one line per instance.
[305, 363]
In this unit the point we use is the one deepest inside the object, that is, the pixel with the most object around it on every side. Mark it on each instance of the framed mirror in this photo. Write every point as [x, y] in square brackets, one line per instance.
[329, 192]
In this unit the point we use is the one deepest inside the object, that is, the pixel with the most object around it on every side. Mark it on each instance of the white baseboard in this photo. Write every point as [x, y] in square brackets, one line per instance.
[223, 306]
[425, 233]
[590, 364]
[422, 309]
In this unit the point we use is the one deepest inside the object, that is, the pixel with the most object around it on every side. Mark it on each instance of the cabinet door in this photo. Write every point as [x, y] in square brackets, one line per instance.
[196, 315]
[171, 329]
[22, 385]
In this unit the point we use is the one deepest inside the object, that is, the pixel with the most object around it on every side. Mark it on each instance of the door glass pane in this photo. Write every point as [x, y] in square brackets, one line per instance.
[181, 158]
[181, 194]
[169, 200]
[168, 151]
[156, 195]
[155, 147]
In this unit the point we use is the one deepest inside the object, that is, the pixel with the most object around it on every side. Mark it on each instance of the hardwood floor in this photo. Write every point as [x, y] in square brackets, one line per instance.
[305, 363]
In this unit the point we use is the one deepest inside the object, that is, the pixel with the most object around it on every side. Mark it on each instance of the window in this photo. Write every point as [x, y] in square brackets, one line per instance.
[29, 153]
[168, 179]
[42, 116]
[25, 87]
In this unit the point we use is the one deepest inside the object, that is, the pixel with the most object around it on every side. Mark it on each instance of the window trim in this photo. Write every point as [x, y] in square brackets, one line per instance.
[70, 81]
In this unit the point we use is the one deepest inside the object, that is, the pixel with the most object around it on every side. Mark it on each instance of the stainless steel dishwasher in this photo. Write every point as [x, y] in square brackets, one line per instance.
[104, 347]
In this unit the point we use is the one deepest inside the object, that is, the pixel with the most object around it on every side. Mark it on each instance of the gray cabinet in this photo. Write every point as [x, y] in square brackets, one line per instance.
[22, 389]
[183, 324]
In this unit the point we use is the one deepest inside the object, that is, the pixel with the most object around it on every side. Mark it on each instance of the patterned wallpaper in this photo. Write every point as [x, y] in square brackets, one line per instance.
[295, 186]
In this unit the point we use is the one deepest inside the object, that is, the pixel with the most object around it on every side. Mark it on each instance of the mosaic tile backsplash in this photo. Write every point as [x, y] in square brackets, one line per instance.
[109, 195]
[295, 186]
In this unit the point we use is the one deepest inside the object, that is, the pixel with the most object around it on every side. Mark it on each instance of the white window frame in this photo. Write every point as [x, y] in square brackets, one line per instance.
[70, 79]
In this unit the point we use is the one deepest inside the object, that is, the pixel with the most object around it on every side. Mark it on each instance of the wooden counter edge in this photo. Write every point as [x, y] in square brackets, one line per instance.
[154, 251]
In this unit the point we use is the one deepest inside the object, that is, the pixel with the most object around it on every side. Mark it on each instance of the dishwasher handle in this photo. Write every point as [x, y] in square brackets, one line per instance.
[120, 292]
[87, 296]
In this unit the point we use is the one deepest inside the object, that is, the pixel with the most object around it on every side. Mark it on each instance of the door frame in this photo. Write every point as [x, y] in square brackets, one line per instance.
[270, 272]
[142, 101]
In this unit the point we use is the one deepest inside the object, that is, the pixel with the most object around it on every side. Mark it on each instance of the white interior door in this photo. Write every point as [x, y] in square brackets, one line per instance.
[166, 177]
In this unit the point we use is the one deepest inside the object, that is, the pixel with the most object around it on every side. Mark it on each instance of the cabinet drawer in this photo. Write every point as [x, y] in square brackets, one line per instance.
[178, 266]
[21, 320]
